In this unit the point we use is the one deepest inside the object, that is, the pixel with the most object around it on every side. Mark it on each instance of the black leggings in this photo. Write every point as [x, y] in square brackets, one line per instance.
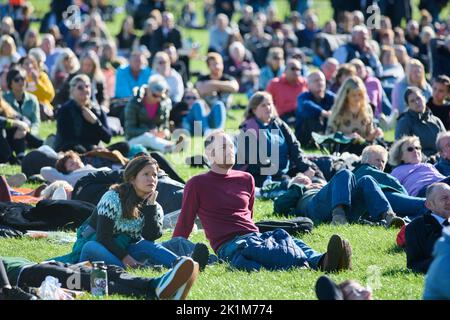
[166, 166]
[8, 144]
[78, 278]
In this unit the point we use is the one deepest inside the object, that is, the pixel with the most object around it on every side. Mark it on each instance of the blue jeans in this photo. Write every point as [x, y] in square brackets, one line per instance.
[359, 196]
[406, 205]
[142, 250]
[215, 119]
[230, 248]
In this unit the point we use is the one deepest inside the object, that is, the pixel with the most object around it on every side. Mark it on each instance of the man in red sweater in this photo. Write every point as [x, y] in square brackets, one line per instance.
[286, 89]
[223, 200]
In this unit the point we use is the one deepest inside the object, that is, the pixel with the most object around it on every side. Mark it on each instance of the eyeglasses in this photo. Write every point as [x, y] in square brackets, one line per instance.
[190, 98]
[294, 69]
[277, 58]
[162, 62]
[18, 79]
[411, 149]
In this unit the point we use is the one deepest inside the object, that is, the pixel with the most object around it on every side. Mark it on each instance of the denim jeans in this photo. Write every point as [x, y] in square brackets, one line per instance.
[215, 119]
[406, 205]
[142, 250]
[359, 196]
[230, 248]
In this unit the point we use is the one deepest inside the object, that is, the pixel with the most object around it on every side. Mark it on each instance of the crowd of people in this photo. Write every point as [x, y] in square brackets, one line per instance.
[339, 88]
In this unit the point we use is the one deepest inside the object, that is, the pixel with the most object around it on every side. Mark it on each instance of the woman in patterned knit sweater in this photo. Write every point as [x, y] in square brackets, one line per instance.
[127, 221]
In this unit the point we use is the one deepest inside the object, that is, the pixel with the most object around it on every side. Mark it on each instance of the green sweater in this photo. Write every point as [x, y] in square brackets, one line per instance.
[14, 266]
[386, 181]
[29, 109]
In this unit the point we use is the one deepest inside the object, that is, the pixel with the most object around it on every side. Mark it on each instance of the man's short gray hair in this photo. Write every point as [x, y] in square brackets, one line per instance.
[369, 150]
[441, 136]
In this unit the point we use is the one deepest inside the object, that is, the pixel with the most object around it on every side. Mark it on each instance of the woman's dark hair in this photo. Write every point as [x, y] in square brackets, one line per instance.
[12, 73]
[409, 91]
[128, 197]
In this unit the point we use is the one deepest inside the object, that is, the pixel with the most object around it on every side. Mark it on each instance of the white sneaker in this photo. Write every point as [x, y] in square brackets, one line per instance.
[59, 194]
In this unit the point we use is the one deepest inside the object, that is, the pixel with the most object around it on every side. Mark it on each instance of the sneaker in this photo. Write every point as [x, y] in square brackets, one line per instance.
[338, 217]
[338, 255]
[200, 255]
[16, 293]
[174, 284]
[392, 220]
[16, 180]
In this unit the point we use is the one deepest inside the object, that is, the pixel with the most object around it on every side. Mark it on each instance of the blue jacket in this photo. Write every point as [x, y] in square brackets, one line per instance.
[437, 281]
[308, 108]
[272, 250]
[443, 167]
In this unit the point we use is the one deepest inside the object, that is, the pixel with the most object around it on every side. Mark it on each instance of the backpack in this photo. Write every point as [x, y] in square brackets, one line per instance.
[293, 226]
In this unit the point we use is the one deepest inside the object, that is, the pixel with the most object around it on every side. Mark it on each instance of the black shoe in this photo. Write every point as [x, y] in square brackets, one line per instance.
[200, 255]
[327, 289]
[16, 293]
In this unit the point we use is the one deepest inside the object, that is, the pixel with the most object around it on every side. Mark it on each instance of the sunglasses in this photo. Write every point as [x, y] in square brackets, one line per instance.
[277, 58]
[18, 79]
[411, 149]
[82, 86]
[294, 69]
[190, 98]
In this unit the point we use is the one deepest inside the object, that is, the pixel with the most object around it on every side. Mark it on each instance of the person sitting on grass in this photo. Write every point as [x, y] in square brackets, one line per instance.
[175, 284]
[423, 232]
[437, 281]
[373, 163]
[343, 199]
[223, 199]
[127, 221]
[262, 121]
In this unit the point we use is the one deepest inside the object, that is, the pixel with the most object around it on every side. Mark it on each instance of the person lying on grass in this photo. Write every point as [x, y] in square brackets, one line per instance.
[223, 199]
[127, 221]
[174, 284]
[344, 198]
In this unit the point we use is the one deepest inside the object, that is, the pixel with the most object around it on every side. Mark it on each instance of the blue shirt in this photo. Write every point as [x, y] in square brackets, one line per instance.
[125, 82]
[274, 136]
[308, 107]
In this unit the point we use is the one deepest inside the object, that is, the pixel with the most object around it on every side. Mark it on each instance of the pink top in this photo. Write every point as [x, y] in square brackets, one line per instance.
[152, 109]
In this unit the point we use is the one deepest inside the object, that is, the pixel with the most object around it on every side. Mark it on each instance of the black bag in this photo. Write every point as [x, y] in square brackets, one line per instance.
[293, 226]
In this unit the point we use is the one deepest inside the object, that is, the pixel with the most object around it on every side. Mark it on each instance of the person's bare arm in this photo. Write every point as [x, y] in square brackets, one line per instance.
[207, 87]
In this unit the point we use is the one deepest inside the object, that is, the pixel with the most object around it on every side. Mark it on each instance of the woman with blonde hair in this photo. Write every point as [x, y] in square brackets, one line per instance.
[66, 64]
[410, 169]
[38, 83]
[415, 77]
[262, 121]
[352, 114]
[161, 66]
[8, 51]
[31, 40]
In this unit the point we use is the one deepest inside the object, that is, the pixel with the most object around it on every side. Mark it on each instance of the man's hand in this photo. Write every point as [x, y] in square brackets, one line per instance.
[129, 261]
[20, 134]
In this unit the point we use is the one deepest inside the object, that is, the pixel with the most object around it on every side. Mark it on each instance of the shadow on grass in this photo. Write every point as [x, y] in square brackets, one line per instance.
[395, 272]
[395, 250]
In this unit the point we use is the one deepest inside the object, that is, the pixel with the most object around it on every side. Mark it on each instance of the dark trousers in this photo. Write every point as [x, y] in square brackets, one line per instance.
[78, 278]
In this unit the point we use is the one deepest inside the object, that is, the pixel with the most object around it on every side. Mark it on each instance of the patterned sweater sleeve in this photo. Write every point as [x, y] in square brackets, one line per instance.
[109, 210]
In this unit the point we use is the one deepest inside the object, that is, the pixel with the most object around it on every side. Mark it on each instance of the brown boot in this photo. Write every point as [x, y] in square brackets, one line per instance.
[392, 220]
[338, 255]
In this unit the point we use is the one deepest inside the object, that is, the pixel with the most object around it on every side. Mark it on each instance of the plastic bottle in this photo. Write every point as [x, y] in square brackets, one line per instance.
[267, 181]
[99, 279]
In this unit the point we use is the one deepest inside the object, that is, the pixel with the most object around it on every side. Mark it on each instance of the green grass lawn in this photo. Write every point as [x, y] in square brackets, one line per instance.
[376, 260]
